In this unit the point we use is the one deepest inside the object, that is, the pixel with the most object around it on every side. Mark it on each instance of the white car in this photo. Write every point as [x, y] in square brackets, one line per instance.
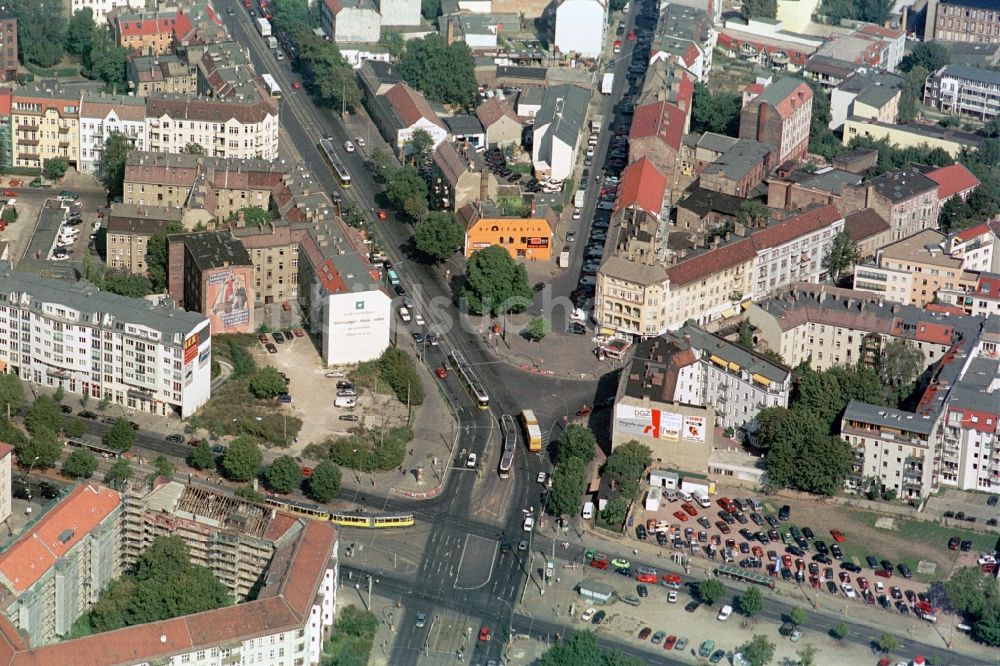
[529, 524]
[60, 257]
[879, 587]
[848, 590]
[542, 477]
[588, 615]
[672, 597]
[471, 462]
[724, 614]
[348, 146]
[361, 142]
[418, 319]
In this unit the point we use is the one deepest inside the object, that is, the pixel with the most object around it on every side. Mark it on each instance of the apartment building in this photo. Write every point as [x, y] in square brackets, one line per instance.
[657, 133]
[9, 63]
[211, 273]
[130, 227]
[796, 189]
[460, 177]
[970, 438]
[145, 357]
[978, 246]
[685, 35]
[101, 8]
[906, 199]
[868, 94]
[963, 21]
[161, 73]
[150, 32]
[558, 129]
[951, 141]
[965, 91]
[793, 250]
[350, 20]
[529, 238]
[580, 27]
[643, 186]
[100, 116]
[54, 584]
[779, 118]
[46, 125]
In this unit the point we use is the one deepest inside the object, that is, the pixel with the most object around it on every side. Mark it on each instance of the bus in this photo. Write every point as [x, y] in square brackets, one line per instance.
[509, 428]
[471, 381]
[95, 447]
[272, 85]
[531, 430]
[326, 147]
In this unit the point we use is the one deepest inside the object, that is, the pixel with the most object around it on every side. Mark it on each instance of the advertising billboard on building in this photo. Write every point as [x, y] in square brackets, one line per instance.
[658, 424]
[694, 428]
[358, 326]
[229, 300]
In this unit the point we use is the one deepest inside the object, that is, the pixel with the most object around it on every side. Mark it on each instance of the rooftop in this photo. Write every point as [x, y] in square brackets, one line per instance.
[888, 417]
[979, 75]
[215, 249]
[952, 180]
[713, 345]
[865, 223]
[902, 185]
[739, 160]
[653, 370]
[642, 185]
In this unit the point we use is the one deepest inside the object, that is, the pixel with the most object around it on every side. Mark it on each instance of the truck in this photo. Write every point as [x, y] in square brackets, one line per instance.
[272, 42]
[532, 430]
[579, 198]
[607, 83]
[596, 123]
[263, 27]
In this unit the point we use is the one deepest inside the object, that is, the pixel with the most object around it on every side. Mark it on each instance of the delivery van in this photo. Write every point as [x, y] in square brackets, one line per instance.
[588, 510]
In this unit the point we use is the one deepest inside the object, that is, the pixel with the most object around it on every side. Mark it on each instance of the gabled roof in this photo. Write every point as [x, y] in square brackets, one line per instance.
[564, 107]
[785, 95]
[493, 110]
[864, 223]
[661, 120]
[952, 179]
[642, 185]
[703, 265]
[410, 106]
[450, 163]
[794, 227]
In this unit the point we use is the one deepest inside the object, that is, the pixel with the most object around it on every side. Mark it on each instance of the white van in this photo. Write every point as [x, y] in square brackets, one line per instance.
[345, 401]
[588, 510]
[348, 146]
[684, 495]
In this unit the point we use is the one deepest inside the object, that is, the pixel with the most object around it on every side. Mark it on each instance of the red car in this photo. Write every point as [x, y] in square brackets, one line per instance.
[671, 579]
[382, 215]
[681, 516]
[599, 564]
[837, 535]
[9, 194]
[307, 472]
[440, 372]
[862, 582]
[722, 526]
[883, 573]
[485, 634]
[758, 552]
[296, 85]
[689, 508]
[631, 35]
[646, 578]
[299, 332]
[670, 642]
[286, 306]
[845, 577]
[15, 182]
[786, 561]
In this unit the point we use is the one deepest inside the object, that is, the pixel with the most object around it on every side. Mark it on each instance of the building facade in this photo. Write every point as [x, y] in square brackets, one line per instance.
[102, 115]
[906, 199]
[46, 124]
[9, 63]
[211, 273]
[223, 128]
[528, 238]
[963, 21]
[129, 229]
[161, 74]
[779, 118]
[965, 91]
[351, 20]
[557, 130]
[580, 26]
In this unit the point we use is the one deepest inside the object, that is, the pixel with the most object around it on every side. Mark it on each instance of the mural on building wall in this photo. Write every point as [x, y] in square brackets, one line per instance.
[658, 424]
[228, 299]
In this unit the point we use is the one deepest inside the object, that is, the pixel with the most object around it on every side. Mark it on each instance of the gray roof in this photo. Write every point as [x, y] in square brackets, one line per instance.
[778, 90]
[531, 96]
[703, 202]
[463, 125]
[973, 74]
[821, 64]
[215, 249]
[931, 131]
[711, 344]
[972, 391]
[903, 184]
[566, 108]
[535, 73]
[875, 88]
[742, 158]
[93, 304]
[832, 180]
[718, 143]
[887, 417]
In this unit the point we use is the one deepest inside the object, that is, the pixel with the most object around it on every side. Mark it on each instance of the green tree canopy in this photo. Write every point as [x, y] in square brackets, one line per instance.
[267, 383]
[106, 61]
[797, 616]
[393, 42]
[119, 472]
[201, 457]
[324, 483]
[110, 166]
[156, 256]
[420, 148]
[41, 30]
[55, 168]
[615, 511]
[537, 329]
[931, 55]
[751, 602]
[759, 9]
[162, 467]
[752, 213]
[397, 369]
[843, 254]
[44, 415]
[841, 631]
[283, 475]
[80, 33]
[628, 462]
[430, 9]
[120, 437]
[567, 486]
[439, 236]
[126, 284]
[710, 590]
[576, 442]
[900, 363]
[406, 183]
[444, 72]
[42, 449]
[887, 642]
[870, 11]
[74, 428]
[759, 651]
[326, 75]
[495, 283]
[581, 649]
[719, 112]
[242, 459]
[194, 149]
[80, 464]
[11, 394]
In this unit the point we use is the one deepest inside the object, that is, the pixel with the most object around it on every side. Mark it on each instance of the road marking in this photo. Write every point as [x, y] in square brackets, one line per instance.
[493, 560]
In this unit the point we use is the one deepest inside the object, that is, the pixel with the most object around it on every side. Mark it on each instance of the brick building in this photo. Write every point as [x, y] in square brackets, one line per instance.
[963, 21]
[212, 273]
[907, 199]
[8, 45]
[129, 230]
[738, 170]
[779, 118]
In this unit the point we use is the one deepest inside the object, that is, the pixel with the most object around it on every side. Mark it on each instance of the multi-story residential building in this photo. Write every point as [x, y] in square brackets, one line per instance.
[794, 249]
[150, 33]
[101, 8]
[684, 36]
[211, 273]
[528, 238]
[978, 246]
[460, 177]
[779, 118]
[906, 199]
[8, 45]
[6, 129]
[951, 141]
[46, 124]
[6, 489]
[868, 46]
[351, 20]
[738, 170]
[765, 43]
[868, 231]
[161, 73]
[965, 91]
[657, 133]
[871, 95]
[400, 112]
[580, 26]
[953, 180]
[150, 358]
[643, 186]
[913, 270]
[981, 301]
[963, 21]
[100, 116]
[129, 229]
[970, 428]
[55, 584]
[236, 127]
[557, 130]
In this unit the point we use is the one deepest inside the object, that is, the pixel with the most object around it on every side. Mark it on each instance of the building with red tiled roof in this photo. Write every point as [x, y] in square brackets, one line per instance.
[150, 33]
[953, 181]
[400, 112]
[642, 186]
[657, 132]
[779, 117]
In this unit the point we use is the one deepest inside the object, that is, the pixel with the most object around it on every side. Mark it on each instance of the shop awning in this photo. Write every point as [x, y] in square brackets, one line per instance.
[716, 360]
[729, 312]
[761, 379]
[735, 367]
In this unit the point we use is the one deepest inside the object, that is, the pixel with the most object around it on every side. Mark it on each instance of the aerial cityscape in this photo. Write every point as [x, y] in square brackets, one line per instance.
[499, 332]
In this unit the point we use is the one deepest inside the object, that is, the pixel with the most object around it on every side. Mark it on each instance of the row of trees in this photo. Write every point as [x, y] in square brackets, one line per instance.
[977, 596]
[575, 450]
[626, 465]
[443, 72]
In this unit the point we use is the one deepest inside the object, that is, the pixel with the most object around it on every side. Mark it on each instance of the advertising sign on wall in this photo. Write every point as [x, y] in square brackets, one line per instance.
[227, 297]
[658, 424]
[694, 428]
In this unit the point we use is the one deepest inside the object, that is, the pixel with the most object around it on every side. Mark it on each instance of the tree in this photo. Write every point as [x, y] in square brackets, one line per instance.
[41, 30]
[759, 651]
[156, 256]
[759, 9]
[397, 370]
[194, 149]
[710, 591]
[393, 42]
[615, 512]
[44, 415]
[444, 72]
[421, 145]
[201, 457]
[326, 75]
[81, 464]
[42, 450]
[797, 616]
[267, 383]
[74, 428]
[162, 467]
[55, 168]
[127, 284]
[986, 629]
[106, 61]
[80, 33]
[719, 112]
[900, 363]
[242, 460]
[628, 462]
[495, 283]
[912, 94]
[290, 15]
[887, 642]
[430, 9]
[932, 56]
[752, 213]
[324, 483]
[283, 475]
[807, 655]
[439, 236]
[381, 166]
[750, 602]
[745, 333]
[843, 253]
[119, 472]
[841, 631]
[11, 394]
[870, 11]
[576, 442]
[567, 484]
[110, 165]
[120, 437]
[818, 464]
[537, 329]
[406, 183]
[59, 393]
[581, 649]
[416, 209]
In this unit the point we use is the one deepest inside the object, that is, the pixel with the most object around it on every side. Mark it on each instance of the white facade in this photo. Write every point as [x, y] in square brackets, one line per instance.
[231, 138]
[356, 326]
[976, 247]
[356, 24]
[405, 135]
[5, 482]
[399, 12]
[553, 157]
[580, 26]
[355, 55]
[800, 259]
[101, 7]
[95, 130]
[103, 345]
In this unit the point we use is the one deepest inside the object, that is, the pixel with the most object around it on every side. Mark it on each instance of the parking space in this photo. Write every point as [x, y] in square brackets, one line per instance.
[40, 229]
[964, 508]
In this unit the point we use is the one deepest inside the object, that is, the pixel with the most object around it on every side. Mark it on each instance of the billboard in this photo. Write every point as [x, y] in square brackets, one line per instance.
[694, 428]
[228, 299]
[658, 424]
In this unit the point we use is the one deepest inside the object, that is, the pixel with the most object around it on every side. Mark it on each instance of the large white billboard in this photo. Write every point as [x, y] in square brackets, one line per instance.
[658, 424]
[357, 326]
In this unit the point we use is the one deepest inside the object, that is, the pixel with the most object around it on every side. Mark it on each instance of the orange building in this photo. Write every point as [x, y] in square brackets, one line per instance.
[151, 33]
[524, 237]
